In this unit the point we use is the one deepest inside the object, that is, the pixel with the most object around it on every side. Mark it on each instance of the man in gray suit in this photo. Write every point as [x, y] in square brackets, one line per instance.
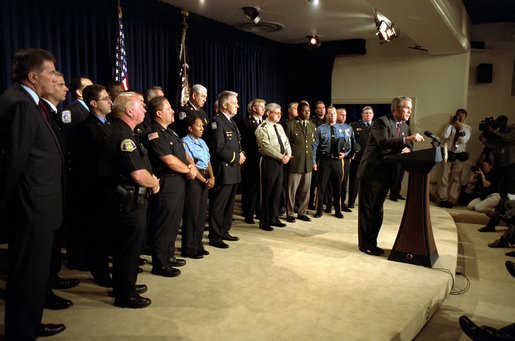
[301, 134]
[389, 135]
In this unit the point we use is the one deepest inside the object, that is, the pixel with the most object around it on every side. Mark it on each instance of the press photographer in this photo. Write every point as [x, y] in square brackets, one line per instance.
[482, 185]
[499, 136]
[456, 135]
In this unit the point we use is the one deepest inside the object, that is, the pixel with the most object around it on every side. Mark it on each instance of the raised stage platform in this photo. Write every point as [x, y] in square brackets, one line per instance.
[307, 281]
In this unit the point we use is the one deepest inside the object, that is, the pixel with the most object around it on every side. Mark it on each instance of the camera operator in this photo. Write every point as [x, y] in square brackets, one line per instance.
[486, 181]
[500, 137]
[456, 135]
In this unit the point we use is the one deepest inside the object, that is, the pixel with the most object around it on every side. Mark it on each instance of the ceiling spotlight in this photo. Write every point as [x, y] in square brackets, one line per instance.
[313, 41]
[386, 30]
[252, 13]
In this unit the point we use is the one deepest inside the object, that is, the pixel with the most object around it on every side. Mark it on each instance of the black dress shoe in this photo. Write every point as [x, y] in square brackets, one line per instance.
[197, 256]
[249, 221]
[54, 302]
[393, 199]
[338, 215]
[487, 229]
[62, 283]
[510, 266]
[278, 223]
[510, 254]
[290, 219]
[472, 330]
[105, 282]
[140, 288]
[230, 238]
[166, 271]
[378, 249]
[346, 209]
[371, 252]
[400, 197]
[204, 252]
[49, 329]
[266, 228]
[303, 217]
[177, 262]
[142, 261]
[328, 209]
[220, 245]
[135, 302]
[350, 206]
[318, 214]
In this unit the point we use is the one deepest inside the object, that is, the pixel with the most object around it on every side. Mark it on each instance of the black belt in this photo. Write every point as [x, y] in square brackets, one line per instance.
[204, 172]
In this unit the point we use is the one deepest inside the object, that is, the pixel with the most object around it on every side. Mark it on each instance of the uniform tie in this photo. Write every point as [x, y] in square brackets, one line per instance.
[281, 145]
[399, 129]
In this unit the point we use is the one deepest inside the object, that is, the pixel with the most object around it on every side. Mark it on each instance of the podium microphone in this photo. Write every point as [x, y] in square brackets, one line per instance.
[432, 136]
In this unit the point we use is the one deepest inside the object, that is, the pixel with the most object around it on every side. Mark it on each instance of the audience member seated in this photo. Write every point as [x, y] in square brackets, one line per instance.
[508, 237]
[505, 208]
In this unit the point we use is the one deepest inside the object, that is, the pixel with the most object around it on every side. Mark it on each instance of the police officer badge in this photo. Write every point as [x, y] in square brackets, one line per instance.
[182, 115]
[66, 116]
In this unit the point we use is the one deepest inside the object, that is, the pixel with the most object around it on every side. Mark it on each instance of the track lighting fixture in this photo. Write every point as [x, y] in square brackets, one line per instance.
[386, 30]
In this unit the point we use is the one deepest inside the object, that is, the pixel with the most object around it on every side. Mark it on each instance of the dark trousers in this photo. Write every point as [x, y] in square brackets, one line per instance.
[250, 190]
[312, 188]
[343, 192]
[27, 282]
[329, 170]
[167, 209]
[370, 214]
[397, 176]
[271, 187]
[221, 205]
[194, 218]
[128, 231]
[353, 181]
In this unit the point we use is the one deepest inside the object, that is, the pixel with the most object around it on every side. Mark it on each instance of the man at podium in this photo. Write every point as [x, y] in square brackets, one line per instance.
[389, 135]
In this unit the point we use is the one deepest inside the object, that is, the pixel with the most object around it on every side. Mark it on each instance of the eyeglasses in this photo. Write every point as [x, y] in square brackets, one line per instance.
[107, 98]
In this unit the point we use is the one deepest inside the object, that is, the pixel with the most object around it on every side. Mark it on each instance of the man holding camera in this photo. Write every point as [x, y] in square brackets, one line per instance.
[456, 135]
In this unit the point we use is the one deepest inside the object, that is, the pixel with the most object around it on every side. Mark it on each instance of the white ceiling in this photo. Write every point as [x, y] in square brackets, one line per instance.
[422, 22]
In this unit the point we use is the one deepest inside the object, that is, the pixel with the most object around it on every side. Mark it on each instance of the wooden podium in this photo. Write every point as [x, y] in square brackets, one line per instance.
[415, 243]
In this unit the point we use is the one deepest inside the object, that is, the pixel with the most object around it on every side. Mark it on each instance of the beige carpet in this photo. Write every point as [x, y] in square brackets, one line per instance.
[306, 281]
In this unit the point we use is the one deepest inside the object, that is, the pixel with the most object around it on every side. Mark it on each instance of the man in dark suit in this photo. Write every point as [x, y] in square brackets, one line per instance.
[76, 111]
[31, 193]
[301, 134]
[250, 172]
[361, 131]
[90, 235]
[194, 108]
[389, 135]
[54, 302]
[226, 159]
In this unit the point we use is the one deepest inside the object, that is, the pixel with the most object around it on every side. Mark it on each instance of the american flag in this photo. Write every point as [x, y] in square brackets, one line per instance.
[120, 73]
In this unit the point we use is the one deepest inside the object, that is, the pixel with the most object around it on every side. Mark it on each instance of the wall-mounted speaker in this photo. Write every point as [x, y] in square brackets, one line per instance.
[484, 73]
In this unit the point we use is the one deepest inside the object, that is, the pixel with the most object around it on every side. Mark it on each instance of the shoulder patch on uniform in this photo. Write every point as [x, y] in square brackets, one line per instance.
[214, 125]
[152, 136]
[66, 116]
[182, 115]
[127, 145]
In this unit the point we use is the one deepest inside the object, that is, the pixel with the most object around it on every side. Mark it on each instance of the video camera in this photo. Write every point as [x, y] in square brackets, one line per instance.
[487, 123]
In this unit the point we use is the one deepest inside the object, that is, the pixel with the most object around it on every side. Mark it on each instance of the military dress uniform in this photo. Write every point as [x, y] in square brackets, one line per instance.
[273, 146]
[225, 148]
[125, 203]
[301, 135]
[168, 205]
[329, 143]
[361, 131]
[181, 121]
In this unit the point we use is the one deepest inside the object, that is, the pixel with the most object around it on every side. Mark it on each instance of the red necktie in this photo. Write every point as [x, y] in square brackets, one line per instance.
[399, 129]
[43, 110]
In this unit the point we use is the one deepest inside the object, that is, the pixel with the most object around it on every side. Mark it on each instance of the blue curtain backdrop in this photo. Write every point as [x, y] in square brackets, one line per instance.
[81, 34]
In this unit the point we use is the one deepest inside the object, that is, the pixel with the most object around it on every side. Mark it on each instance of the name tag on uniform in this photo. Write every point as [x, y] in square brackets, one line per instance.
[66, 116]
